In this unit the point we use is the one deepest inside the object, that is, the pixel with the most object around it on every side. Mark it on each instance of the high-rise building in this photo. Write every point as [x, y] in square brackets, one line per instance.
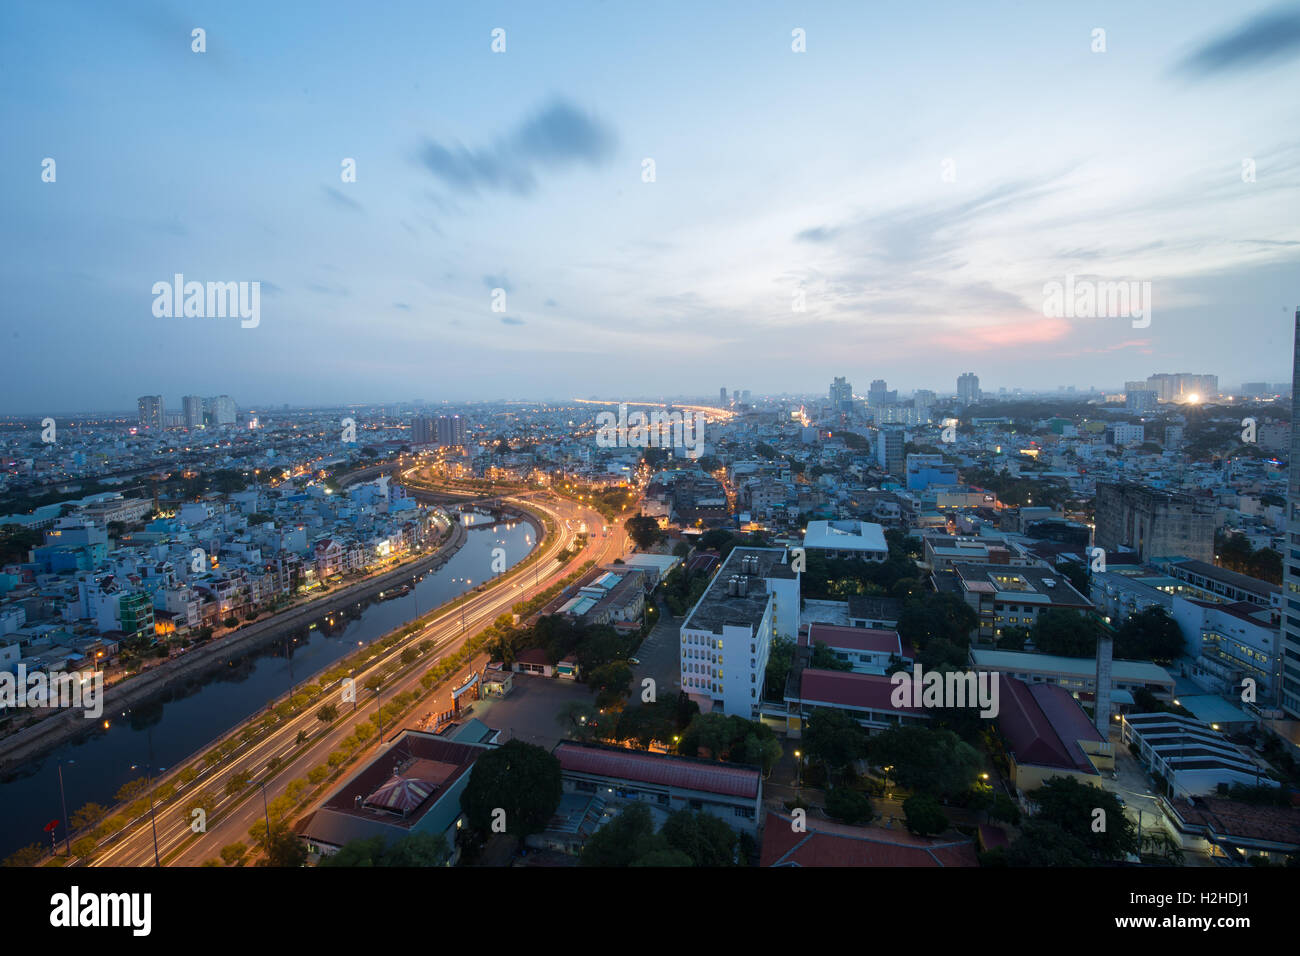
[151, 412]
[223, 410]
[744, 397]
[889, 450]
[192, 407]
[1141, 400]
[924, 398]
[423, 430]
[451, 430]
[1154, 523]
[841, 394]
[968, 388]
[879, 394]
[722, 396]
[1183, 386]
[1289, 678]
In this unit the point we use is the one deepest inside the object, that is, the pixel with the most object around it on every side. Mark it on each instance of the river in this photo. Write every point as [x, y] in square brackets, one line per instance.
[172, 729]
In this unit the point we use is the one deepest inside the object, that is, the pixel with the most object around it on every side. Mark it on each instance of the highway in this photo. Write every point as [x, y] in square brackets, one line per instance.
[135, 845]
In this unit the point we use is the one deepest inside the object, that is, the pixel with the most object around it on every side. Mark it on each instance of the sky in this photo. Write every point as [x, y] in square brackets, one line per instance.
[915, 177]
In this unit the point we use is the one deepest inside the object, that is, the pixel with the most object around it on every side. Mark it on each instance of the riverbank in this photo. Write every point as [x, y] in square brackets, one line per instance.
[31, 742]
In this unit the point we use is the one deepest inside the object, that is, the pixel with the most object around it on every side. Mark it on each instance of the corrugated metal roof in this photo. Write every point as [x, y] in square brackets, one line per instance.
[726, 779]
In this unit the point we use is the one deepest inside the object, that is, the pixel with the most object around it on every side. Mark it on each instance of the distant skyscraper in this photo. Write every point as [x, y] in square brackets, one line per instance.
[423, 430]
[1140, 400]
[841, 394]
[744, 397]
[223, 410]
[1182, 386]
[151, 412]
[879, 394]
[1290, 656]
[192, 407]
[451, 430]
[968, 388]
[722, 396]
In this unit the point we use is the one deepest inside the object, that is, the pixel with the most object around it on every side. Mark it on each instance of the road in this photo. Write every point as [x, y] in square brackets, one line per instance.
[135, 847]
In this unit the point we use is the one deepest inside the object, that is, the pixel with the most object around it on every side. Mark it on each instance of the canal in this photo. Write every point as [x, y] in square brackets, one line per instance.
[187, 718]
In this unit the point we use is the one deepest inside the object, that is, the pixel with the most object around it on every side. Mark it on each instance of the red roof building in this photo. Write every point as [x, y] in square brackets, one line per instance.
[835, 844]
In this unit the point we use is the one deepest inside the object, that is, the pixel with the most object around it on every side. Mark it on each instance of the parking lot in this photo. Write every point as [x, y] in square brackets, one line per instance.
[529, 713]
[659, 657]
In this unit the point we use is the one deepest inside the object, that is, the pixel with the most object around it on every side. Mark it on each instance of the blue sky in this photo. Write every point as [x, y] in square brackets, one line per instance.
[775, 172]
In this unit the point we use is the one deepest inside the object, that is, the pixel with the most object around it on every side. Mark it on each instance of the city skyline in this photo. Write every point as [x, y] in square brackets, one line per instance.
[501, 238]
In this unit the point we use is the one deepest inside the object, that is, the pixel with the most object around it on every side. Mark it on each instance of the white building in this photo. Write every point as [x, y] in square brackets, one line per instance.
[1192, 757]
[847, 539]
[726, 637]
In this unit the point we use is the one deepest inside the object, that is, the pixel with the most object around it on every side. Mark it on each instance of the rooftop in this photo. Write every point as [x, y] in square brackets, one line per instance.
[827, 843]
[845, 536]
[1026, 662]
[684, 773]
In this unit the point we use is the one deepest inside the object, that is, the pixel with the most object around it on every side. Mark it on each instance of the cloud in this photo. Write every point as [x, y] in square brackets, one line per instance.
[498, 282]
[402, 305]
[1271, 37]
[551, 303]
[509, 321]
[818, 234]
[342, 200]
[557, 137]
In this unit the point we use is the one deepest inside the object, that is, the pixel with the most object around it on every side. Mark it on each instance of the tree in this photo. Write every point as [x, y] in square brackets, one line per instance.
[1149, 635]
[780, 658]
[414, 850]
[579, 718]
[621, 841]
[851, 806]
[87, 816]
[925, 760]
[923, 815]
[826, 659]
[1108, 836]
[706, 839]
[940, 653]
[834, 738]
[1043, 843]
[1067, 633]
[327, 713]
[233, 853]
[1013, 638]
[520, 778]
[285, 848]
[643, 530]
[613, 682]
[1005, 809]
[937, 616]
[758, 751]
[1076, 574]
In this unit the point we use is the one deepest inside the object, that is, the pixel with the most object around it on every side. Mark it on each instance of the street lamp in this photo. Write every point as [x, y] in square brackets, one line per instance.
[798, 768]
[67, 824]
